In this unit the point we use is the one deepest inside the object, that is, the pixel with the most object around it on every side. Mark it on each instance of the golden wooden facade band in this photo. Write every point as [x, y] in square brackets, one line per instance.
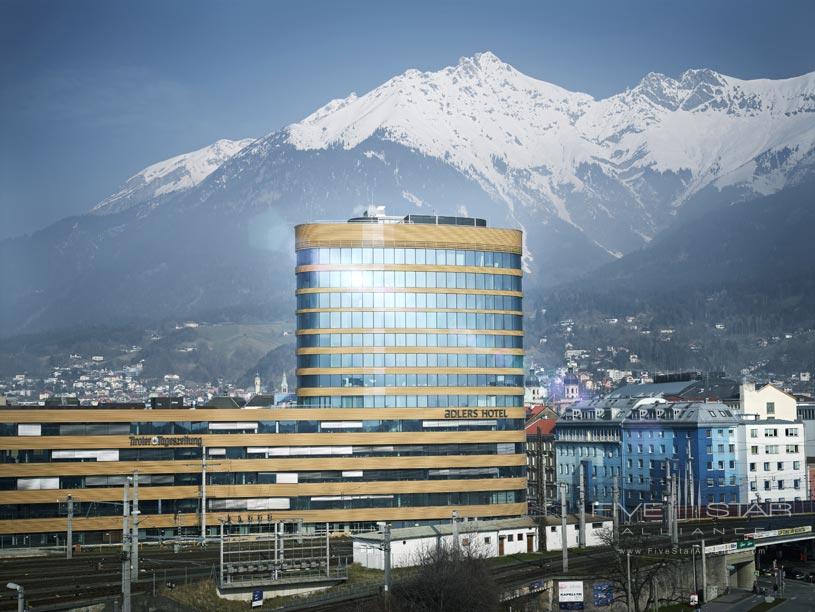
[287, 439]
[410, 330]
[460, 350]
[408, 370]
[400, 309]
[384, 487]
[336, 515]
[344, 391]
[408, 290]
[286, 464]
[406, 268]
[140, 415]
[407, 235]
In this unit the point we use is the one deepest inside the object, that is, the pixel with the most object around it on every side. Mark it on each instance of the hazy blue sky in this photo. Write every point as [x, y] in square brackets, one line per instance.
[94, 91]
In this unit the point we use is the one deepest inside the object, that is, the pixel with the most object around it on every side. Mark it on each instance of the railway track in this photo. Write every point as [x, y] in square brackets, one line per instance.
[93, 575]
[49, 581]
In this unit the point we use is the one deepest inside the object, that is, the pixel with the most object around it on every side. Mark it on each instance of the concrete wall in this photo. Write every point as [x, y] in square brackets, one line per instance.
[681, 577]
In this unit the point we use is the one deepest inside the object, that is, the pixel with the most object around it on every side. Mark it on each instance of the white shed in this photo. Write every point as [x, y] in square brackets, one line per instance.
[594, 527]
[489, 538]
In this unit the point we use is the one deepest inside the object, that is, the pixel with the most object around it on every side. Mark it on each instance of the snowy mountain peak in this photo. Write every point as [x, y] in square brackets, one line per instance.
[178, 173]
[696, 76]
[469, 114]
[484, 62]
[529, 142]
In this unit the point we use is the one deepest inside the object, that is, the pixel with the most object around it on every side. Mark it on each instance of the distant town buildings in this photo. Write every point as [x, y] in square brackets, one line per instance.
[724, 441]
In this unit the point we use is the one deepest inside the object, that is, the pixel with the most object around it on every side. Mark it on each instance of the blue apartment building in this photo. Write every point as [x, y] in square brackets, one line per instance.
[637, 439]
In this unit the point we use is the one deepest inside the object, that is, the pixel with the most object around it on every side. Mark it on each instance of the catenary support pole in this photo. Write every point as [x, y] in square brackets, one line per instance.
[667, 500]
[691, 490]
[675, 526]
[629, 594]
[126, 549]
[328, 550]
[203, 495]
[456, 543]
[704, 573]
[564, 535]
[134, 537]
[581, 540]
[615, 502]
[221, 539]
[69, 540]
[386, 552]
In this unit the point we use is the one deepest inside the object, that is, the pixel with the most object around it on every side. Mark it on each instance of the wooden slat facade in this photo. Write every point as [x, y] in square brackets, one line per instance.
[383, 487]
[336, 515]
[277, 464]
[138, 415]
[406, 235]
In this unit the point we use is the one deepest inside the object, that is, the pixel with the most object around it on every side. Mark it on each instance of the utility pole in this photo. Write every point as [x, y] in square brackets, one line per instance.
[628, 580]
[667, 501]
[134, 538]
[456, 544]
[581, 540]
[203, 495]
[675, 524]
[221, 538]
[779, 580]
[386, 551]
[328, 550]
[615, 502]
[125, 551]
[564, 535]
[655, 589]
[678, 496]
[704, 573]
[69, 540]
[690, 476]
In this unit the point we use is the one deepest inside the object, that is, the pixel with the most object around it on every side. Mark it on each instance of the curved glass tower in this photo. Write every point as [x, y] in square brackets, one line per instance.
[410, 350]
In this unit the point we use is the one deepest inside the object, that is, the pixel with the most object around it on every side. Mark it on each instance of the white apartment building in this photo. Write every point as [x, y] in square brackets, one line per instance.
[771, 445]
[767, 402]
[772, 460]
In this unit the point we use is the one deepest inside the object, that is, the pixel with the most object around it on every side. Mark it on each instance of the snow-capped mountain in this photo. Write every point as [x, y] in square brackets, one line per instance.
[588, 180]
[622, 163]
[164, 178]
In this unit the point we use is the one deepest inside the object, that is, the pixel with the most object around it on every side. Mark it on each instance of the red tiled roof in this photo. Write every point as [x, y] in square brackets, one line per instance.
[542, 426]
[535, 409]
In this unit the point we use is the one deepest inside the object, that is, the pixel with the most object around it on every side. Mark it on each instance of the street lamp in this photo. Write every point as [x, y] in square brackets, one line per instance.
[20, 595]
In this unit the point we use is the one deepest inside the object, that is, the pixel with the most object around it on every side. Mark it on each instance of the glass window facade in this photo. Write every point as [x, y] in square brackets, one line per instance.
[396, 322]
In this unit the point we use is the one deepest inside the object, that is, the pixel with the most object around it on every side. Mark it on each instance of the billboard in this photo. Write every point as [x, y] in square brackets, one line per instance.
[570, 594]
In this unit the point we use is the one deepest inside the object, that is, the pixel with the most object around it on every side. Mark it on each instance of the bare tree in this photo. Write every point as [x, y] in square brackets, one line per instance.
[447, 579]
[655, 570]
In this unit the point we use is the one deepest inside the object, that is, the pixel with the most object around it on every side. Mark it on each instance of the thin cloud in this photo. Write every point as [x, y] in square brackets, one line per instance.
[106, 97]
